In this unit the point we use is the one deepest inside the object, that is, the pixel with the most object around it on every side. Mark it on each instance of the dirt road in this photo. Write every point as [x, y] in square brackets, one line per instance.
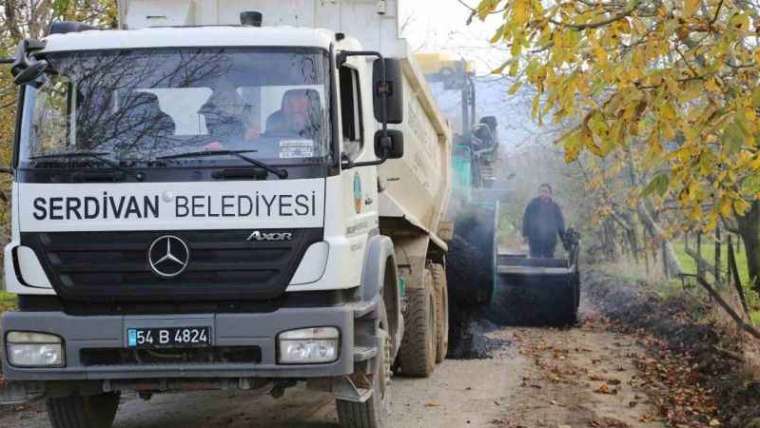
[533, 377]
[461, 392]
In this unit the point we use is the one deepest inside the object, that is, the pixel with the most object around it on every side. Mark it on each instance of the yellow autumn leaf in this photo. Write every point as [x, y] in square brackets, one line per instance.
[690, 7]
[515, 87]
[498, 34]
[486, 7]
[712, 222]
[712, 85]
[726, 205]
[667, 112]
[741, 206]
[520, 12]
[755, 164]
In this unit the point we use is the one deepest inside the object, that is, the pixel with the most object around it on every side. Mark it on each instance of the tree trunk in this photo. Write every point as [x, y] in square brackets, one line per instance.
[749, 229]
[674, 266]
[650, 222]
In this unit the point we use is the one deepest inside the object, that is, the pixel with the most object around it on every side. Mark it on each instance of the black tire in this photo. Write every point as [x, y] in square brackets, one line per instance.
[76, 411]
[442, 312]
[374, 412]
[417, 352]
[471, 259]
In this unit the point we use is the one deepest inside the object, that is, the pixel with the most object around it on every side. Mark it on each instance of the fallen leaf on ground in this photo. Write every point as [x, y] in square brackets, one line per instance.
[605, 389]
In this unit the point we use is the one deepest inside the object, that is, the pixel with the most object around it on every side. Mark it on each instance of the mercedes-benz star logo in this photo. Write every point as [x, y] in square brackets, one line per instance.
[168, 256]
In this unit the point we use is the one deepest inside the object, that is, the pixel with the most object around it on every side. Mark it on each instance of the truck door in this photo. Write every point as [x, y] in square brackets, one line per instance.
[359, 184]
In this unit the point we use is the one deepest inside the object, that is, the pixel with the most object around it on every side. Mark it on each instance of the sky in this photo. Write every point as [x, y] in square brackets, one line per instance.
[441, 25]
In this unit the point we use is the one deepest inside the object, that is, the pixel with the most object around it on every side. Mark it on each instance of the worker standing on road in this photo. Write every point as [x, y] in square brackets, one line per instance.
[542, 223]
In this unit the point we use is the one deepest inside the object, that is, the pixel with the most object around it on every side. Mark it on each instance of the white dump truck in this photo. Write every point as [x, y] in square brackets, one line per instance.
[225, 194]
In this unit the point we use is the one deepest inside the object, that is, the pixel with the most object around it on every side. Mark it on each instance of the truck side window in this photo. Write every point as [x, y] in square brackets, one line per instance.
[52, 120]
[350, 100]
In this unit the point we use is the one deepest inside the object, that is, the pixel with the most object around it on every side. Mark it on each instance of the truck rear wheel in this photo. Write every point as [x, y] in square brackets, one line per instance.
[418, 349]
[442, 312]
[373, 412]
[76, 411]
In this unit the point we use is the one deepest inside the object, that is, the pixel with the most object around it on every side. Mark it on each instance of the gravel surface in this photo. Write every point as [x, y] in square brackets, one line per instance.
[513, 377]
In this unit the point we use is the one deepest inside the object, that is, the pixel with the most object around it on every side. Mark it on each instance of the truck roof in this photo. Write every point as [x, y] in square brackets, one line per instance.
[190, 37]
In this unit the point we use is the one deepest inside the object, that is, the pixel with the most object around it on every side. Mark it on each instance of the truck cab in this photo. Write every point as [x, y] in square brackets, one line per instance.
[203, 201]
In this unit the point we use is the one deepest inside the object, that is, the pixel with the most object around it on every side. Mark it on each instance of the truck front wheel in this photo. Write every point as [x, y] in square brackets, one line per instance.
[373, 412]
[418, 348]
[76, 411]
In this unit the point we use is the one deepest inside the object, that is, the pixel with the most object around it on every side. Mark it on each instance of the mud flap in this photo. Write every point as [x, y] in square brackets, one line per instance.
[345, 389]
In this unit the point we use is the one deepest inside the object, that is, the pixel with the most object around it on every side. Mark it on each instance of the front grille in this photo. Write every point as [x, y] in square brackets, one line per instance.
[133, 357]
[302, 299]
[114, 266]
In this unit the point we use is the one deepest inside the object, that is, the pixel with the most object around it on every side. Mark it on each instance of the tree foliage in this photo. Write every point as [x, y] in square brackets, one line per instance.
[21, 19]
[673, 83]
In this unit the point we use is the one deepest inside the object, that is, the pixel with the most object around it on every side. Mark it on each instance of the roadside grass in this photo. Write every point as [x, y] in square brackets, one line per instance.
[7, 301]
[666, 289]
[708, 253]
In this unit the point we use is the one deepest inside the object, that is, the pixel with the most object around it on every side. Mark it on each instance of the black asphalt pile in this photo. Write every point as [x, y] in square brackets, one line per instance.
[469, 334]
[678, 323]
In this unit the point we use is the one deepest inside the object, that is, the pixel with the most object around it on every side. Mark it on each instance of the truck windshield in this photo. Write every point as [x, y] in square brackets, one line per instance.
[143, 104]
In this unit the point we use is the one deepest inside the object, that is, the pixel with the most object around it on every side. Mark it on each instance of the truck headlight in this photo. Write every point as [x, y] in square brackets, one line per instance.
[308, 345]
[28, 349]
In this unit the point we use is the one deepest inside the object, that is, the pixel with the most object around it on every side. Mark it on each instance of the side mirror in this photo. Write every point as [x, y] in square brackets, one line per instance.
[390, 146]
[393, 88]
[25, 68]
[31, 73]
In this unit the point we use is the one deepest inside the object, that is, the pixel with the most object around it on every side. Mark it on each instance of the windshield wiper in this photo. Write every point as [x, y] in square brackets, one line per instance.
[99, 156]
[280, 173]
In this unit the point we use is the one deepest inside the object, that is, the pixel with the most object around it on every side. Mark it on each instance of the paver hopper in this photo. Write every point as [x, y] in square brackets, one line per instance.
[541, 290]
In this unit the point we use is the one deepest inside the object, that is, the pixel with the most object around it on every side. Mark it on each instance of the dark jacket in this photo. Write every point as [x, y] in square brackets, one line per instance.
[542, 222]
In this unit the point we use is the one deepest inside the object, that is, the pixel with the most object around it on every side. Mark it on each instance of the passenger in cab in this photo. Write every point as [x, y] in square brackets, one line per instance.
[299, 116]
[224, 113]
[229, 119]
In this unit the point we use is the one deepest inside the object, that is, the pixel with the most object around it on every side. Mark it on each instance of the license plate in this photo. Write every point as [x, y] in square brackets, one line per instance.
[170, 337]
